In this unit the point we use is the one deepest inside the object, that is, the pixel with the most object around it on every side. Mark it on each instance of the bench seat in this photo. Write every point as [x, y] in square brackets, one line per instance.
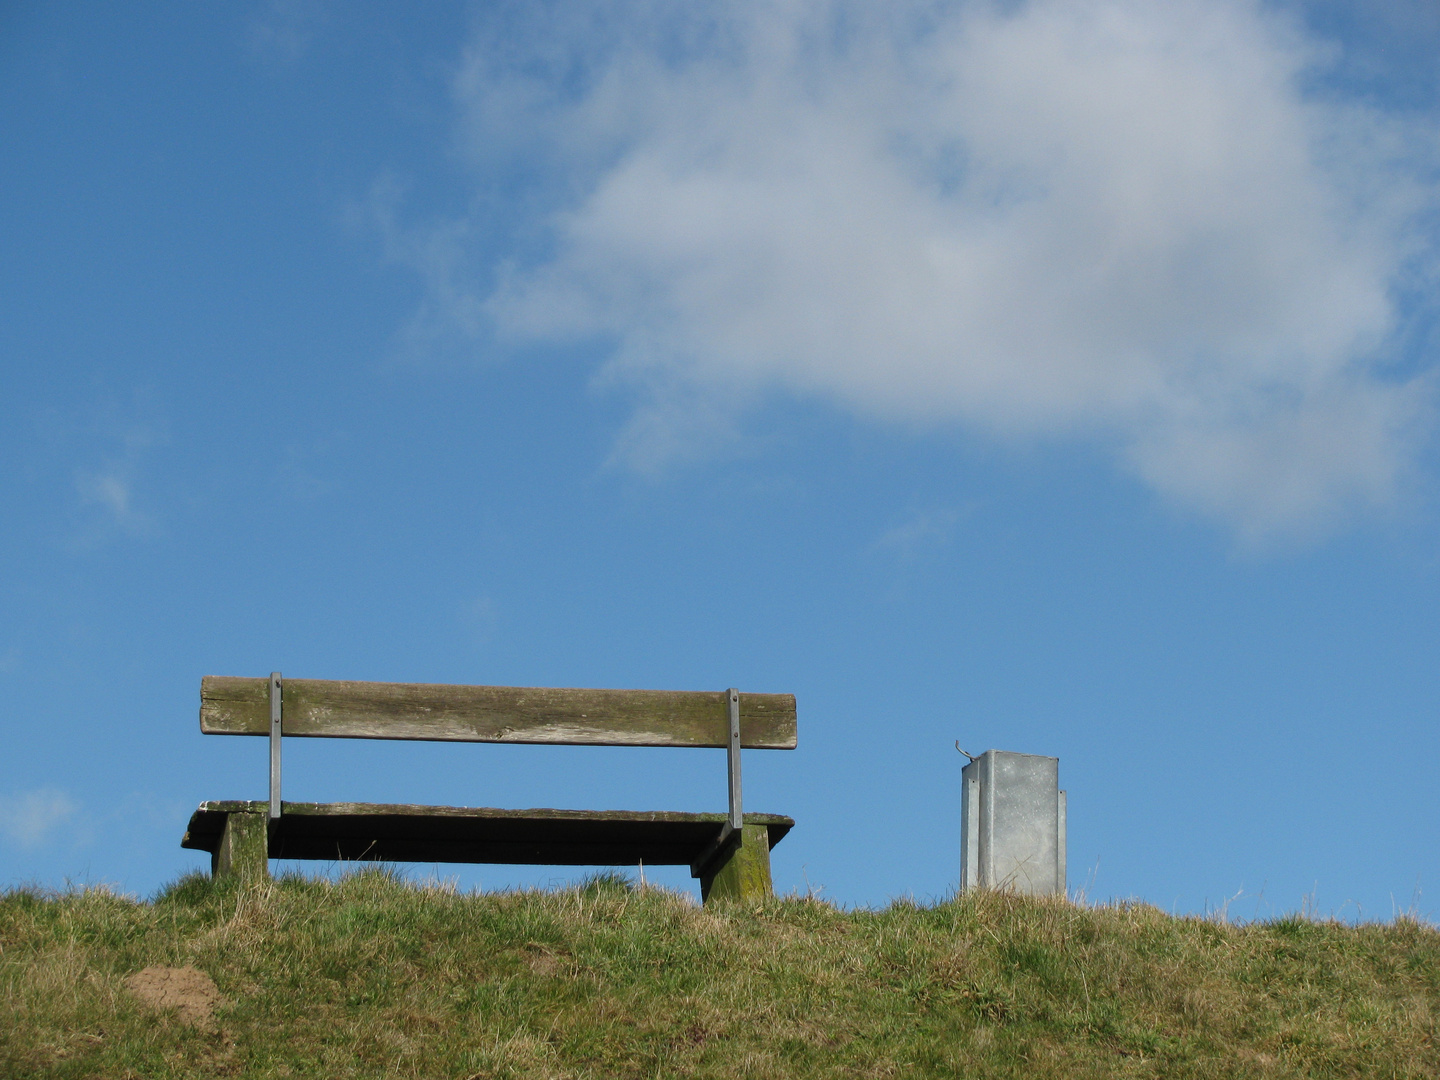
[396, 832]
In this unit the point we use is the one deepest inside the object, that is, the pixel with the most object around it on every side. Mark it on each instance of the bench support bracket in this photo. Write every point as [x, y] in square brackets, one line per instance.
[732, 756]
[276, 713]
[737, 865]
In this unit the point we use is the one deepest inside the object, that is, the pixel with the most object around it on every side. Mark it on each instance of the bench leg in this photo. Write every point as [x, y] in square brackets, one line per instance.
[744, 873]
[244, 848]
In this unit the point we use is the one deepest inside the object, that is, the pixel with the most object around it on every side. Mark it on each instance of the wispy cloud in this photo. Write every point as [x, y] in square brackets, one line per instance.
[1140, 222]
[282, 30]
[109, 490]
[481, 618]
[32, 818]
[920, 532]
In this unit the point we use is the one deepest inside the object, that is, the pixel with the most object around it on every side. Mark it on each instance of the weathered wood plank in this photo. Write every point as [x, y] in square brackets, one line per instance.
[368, 710]
[401, 833]
[214, 811]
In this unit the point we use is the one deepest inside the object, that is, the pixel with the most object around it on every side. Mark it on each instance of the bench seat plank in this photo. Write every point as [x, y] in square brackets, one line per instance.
[370, 710]
[389, 832]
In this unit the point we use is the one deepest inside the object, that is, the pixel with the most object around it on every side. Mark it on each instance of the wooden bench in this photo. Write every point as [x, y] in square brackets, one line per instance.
[729, 852]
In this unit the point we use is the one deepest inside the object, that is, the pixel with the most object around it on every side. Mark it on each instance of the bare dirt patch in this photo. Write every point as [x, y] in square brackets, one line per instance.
[188, 990]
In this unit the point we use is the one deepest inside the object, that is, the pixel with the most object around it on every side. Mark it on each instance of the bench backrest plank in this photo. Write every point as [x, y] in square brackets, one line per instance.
[426, 711]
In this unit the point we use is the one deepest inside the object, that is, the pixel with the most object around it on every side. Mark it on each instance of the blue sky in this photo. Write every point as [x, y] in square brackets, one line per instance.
[1056, 377]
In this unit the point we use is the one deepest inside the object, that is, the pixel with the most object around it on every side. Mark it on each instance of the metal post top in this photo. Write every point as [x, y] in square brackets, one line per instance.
[1010, 754]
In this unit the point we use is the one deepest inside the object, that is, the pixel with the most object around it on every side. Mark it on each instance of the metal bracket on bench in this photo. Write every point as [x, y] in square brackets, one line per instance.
[276, 694]
[732, 752]
[736, 820]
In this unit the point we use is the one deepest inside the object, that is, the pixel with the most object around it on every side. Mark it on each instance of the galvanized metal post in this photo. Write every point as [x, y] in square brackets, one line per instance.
[1012, 824]
[1061, 869]
[737, 817]
[970, 833]
[276, 692]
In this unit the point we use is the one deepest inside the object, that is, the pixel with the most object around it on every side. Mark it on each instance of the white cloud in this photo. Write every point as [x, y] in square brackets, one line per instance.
[1136, 221]
[31, 818]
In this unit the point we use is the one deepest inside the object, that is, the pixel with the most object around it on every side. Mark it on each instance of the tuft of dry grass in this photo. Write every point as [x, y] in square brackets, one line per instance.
[371, 976]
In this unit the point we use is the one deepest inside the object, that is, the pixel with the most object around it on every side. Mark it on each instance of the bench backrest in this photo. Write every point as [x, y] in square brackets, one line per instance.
[369, 710]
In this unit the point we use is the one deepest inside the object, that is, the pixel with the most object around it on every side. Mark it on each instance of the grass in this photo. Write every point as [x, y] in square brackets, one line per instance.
[371, 976]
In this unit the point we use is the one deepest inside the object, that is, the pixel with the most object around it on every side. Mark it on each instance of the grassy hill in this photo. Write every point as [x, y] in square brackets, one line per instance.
[374, 977]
